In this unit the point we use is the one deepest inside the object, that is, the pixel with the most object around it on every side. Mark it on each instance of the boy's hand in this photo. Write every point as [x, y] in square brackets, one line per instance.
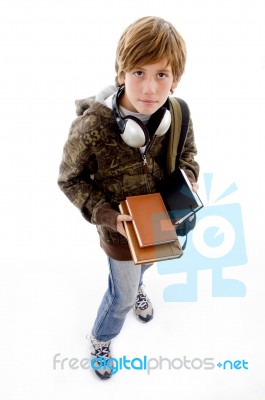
[195, 186]
[119, 223]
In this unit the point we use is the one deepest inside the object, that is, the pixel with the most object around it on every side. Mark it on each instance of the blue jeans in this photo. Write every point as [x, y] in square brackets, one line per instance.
[125, 278]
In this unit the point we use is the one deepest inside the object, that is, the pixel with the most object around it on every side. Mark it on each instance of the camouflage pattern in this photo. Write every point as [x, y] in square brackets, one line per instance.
[98, 169]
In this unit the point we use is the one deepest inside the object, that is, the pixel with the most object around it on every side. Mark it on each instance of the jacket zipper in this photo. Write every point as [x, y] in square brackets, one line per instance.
[145, 164]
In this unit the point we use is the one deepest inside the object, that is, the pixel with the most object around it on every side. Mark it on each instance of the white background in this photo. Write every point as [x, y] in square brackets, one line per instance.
[53, 273]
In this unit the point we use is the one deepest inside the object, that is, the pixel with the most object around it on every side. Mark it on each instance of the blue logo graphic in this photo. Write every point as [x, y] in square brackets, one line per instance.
[216, 242]
[230, 365]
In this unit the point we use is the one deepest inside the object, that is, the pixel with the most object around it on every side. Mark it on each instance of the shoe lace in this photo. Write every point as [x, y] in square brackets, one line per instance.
[101, 348]
[142, 300]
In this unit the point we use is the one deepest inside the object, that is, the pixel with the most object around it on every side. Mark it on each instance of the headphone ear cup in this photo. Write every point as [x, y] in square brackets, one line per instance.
[164, 124]
[135, 134]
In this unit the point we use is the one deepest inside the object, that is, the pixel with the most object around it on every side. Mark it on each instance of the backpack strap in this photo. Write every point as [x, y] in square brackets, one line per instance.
[179, 127]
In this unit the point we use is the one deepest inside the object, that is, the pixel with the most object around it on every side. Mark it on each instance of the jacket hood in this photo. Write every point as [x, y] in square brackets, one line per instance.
[83, 104]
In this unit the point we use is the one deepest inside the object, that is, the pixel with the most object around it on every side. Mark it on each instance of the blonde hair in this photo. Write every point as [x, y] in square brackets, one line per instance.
[148, 40]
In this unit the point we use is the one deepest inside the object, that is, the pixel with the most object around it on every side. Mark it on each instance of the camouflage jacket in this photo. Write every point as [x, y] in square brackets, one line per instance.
[98, 170]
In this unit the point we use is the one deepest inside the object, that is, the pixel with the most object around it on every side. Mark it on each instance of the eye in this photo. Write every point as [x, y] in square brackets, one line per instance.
[138, 73]
[161, 75]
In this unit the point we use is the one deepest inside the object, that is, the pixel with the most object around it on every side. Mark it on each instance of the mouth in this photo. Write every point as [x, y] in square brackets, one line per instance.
[147, 102]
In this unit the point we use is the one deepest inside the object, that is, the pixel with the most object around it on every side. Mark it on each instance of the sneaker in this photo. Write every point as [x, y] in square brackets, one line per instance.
[102, 367]
[143, 308]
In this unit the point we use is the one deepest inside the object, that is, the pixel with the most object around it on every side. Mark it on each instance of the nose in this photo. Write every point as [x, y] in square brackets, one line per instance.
[149, 86]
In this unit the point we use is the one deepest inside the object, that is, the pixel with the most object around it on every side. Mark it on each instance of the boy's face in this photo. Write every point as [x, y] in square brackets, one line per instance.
[147, 87]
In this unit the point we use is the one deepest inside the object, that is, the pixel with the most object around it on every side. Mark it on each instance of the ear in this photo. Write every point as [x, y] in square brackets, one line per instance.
[121, 79]
[174, 85]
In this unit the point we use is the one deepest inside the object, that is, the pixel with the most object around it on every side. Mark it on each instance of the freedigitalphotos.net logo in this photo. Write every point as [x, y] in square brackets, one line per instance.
[217, 242]
[146, 364]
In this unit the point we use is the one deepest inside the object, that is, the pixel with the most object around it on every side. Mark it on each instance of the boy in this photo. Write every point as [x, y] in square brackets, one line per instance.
[117, 148]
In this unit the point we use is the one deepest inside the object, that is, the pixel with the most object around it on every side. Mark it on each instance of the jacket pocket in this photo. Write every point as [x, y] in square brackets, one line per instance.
[110, 236]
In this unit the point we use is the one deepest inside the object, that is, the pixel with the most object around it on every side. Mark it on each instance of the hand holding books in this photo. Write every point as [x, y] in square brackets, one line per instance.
[150, 220]
[120, 223]
[195, 187]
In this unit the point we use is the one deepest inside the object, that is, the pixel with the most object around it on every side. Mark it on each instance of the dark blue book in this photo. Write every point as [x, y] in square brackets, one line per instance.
[180, 201]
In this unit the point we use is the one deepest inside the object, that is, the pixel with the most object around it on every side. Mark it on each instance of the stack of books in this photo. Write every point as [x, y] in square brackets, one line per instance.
[152, 234]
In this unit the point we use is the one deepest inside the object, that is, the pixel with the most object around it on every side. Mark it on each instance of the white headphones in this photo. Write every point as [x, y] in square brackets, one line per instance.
[133, 131]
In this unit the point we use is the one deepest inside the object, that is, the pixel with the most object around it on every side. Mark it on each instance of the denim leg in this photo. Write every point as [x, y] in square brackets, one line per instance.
[124, 280]
[143, 267]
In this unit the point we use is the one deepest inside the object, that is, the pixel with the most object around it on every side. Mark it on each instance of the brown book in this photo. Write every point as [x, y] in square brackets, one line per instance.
[151, 221]
[150, 254]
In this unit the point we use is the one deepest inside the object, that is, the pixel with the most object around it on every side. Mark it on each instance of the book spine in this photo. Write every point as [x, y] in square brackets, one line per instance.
[134, 224]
